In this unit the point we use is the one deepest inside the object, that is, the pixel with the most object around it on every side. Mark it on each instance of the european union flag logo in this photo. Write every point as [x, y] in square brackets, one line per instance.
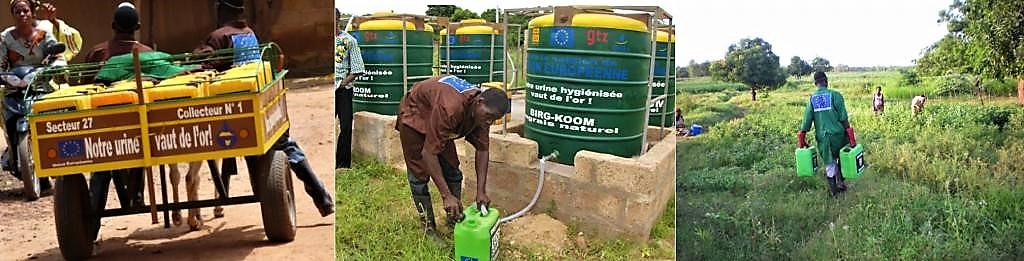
[562, 37]
[453, 40]
[821, 102]
[457, 83]
[71, 148]
[247, 48]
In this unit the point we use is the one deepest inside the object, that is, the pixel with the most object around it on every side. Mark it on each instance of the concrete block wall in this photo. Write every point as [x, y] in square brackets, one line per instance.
[602, 194]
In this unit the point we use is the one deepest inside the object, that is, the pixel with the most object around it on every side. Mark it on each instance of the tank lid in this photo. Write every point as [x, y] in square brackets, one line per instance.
[664, 37]
[476, 29]
[493, 85]
[474, 21]
[388, 24]
[609, 21]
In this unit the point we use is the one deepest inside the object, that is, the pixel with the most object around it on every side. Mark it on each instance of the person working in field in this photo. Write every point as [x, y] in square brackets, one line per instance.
[435, 113]
[681, 129]
[878, 102]
[826, 111]
[235, 33]
[917, 104]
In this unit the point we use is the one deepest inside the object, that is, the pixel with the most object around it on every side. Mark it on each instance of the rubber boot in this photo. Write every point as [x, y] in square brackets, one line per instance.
[456, 189]
[314, 188]
[426, 211]
[841, 183]
[833, 188]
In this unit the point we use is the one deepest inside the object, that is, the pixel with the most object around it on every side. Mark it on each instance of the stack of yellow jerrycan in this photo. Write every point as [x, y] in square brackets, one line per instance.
[181, 87]
[498, 85]
[245, 78]
[119, 93]
[71, 98]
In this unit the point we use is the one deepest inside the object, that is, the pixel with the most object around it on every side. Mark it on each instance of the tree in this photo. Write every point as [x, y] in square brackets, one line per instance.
[798, 67]
[994, 28]
[463, 14]
[453, 12]
[751, 62]
[441, 10]
[682, 72]
[821, 65]
[698, 69]
[951, 55]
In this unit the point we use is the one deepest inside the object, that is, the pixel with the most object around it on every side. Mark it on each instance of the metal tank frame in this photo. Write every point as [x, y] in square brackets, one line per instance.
[405, 18]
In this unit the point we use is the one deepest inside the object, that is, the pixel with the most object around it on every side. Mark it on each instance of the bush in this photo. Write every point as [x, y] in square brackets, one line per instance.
[1001, 87]
[953, 85]
[909, 78]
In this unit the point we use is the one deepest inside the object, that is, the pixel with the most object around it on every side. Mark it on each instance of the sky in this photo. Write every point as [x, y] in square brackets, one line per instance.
[854, 33]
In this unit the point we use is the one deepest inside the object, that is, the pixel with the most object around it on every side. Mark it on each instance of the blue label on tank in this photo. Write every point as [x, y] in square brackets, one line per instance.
[821, 102]
[246, 48]
[562, 37]
[457, 83]
[466, 258]
[581, 67]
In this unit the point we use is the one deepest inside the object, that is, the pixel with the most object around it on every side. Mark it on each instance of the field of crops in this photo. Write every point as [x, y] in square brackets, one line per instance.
[943, 185]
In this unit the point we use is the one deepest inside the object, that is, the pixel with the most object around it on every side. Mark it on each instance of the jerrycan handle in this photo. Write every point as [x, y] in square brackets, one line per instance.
[483, 210]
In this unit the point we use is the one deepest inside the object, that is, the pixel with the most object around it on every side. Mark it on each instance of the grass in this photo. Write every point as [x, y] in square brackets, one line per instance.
[376, 220]
[944, 185]
[705, 85]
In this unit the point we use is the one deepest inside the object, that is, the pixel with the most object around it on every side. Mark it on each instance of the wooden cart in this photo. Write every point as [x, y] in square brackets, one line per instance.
[67, 145]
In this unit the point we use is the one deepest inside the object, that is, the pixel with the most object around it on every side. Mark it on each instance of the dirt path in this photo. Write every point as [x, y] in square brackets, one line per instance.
[27, 229]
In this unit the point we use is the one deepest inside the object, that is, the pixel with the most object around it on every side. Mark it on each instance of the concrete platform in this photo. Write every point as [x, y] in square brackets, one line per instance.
[602, 194]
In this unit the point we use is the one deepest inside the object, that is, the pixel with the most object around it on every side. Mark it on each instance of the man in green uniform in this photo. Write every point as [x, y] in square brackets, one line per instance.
[827, 111]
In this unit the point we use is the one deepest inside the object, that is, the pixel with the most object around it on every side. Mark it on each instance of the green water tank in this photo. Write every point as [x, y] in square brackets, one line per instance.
[380, 40]
[667, 106]
[470, 51]
[587, 84]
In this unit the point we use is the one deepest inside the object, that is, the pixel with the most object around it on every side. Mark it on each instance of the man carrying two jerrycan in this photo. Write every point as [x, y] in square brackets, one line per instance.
[827, 112]
[435, 113]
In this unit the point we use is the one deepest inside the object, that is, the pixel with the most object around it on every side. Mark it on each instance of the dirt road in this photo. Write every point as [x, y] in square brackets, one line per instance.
[27, 229]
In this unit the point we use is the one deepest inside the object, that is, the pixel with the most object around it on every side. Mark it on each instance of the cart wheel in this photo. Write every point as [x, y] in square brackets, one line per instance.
[77, 224]
[277, 198]
[26, 168]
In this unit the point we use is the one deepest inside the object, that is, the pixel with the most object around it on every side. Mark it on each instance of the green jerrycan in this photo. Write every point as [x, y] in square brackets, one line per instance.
[851, 161]
[473, 239]
[806, 161]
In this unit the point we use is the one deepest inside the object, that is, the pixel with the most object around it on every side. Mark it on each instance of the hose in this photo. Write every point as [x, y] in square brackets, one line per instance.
[536, 195]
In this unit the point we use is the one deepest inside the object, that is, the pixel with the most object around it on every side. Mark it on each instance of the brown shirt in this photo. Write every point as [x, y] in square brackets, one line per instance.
[441, 113]
[221, 39]
[121, 44]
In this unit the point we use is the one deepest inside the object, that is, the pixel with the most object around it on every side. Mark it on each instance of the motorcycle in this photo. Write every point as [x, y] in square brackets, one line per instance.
[21, 87]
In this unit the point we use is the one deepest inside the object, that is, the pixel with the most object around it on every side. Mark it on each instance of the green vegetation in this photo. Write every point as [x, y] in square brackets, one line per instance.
[944, 185]
[376, 220]
[751, 62]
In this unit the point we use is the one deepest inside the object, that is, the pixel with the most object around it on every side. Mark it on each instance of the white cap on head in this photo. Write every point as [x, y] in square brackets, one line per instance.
[126, 4]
